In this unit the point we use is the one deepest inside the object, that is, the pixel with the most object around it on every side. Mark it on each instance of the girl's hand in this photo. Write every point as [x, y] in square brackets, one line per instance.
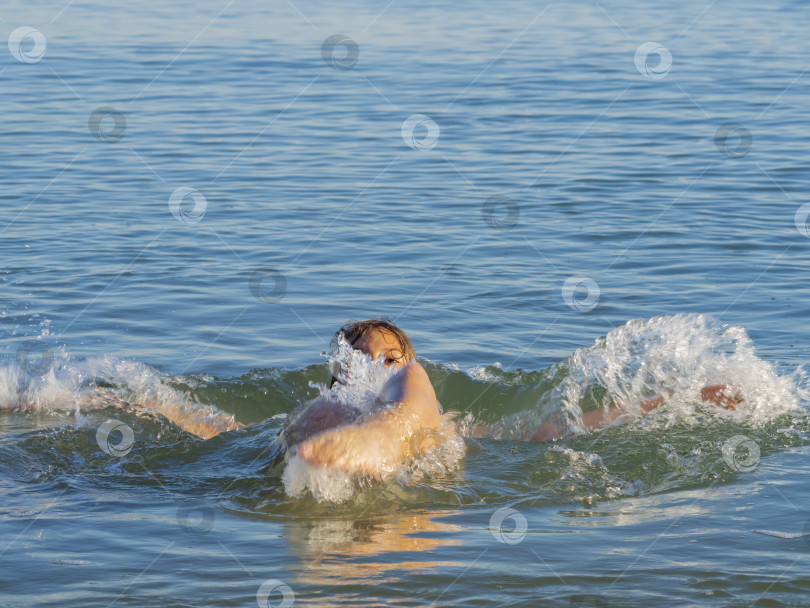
[723, 395]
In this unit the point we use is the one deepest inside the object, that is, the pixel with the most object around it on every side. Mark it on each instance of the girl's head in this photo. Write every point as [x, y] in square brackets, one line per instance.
[378, 337]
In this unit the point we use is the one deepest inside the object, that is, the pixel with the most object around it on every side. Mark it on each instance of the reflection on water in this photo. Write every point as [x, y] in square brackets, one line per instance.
[369, 549]
[636, 511]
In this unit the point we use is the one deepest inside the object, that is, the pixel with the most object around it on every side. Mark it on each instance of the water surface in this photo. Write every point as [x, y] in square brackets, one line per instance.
[616, 192]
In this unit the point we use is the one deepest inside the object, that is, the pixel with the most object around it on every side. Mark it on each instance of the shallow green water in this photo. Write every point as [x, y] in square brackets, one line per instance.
[643, 244]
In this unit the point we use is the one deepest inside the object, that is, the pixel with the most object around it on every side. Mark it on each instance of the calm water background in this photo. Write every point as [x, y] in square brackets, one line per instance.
[306, 187]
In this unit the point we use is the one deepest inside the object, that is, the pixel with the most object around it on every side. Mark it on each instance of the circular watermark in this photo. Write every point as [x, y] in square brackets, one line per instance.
[733, 140]
[34, 358]
[418, 121]
[660, 68]
[510, 535]
[500, 212]
[741, 453]
[18, 44]
[109, 431]
[800, 219]
[196, 519]
[259, 282]
[272, 591]
[333, 58]
[572, 293]
[107, 124]
[181, 196]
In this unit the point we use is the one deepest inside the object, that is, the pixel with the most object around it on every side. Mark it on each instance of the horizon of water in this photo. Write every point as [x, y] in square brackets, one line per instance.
[565, 205]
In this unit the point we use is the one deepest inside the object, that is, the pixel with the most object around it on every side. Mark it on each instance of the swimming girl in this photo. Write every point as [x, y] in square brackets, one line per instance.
[374, 442]
[376, 439]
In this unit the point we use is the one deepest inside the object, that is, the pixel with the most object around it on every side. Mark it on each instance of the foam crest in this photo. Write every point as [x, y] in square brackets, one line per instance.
[54, 389]
[683, 354]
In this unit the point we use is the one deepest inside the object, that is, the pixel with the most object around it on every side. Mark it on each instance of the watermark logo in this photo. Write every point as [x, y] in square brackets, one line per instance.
[332, 56]
[733, 140]
[196, 519]
[741, 453]
[800, 219]
[27, 44]
[500, 212]
[653, 69]
[178, 205]
[34, 358]
[511, 533]
[271, 591]
[573, 296]
[259, 285]
[107, 124]
[428, 140]
[109, 431]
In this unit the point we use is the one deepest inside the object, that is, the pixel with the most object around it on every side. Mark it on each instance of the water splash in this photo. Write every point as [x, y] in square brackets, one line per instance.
[359, 378]
[672, 356]
[325, 484]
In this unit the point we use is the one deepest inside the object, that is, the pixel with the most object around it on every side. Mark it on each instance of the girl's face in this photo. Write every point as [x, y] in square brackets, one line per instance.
[381, 342]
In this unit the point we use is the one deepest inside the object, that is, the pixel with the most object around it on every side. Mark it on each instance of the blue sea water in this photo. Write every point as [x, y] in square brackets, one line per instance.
[195, 196]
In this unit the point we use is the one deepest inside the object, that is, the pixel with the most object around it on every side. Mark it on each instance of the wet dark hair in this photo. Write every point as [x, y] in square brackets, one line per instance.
[354, 330]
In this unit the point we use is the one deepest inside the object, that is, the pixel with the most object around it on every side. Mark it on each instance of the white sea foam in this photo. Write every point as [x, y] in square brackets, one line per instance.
[677, 354]
[325, 484]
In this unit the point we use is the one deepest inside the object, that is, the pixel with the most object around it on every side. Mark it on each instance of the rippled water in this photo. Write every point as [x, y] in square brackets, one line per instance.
[195, 196]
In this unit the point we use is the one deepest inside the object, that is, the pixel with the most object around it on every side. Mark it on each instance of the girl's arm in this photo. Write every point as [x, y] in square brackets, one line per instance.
[375, 443]
[719, 394]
